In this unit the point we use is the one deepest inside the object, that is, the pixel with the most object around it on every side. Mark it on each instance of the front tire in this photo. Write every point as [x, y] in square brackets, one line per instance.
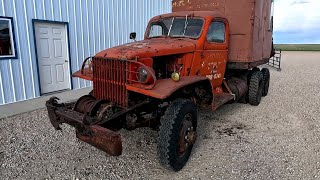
[177, 134]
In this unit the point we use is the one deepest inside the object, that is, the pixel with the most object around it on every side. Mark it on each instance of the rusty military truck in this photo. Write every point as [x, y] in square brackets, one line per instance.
[204, 54]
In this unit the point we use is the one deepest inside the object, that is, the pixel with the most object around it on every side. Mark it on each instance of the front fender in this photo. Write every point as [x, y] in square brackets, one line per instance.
[166, 87]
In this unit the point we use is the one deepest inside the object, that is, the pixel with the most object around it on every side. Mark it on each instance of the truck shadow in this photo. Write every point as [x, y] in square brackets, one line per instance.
[215, 125]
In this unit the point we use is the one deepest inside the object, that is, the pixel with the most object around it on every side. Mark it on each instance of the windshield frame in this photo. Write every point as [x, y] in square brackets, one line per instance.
[180, 17]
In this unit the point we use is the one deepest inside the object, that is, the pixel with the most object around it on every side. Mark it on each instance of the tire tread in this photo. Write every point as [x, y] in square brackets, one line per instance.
[254, 83]
[168, 135]
[266, 78]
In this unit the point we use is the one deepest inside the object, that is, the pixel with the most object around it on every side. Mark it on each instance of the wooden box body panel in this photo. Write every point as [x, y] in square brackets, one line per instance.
[249, 20]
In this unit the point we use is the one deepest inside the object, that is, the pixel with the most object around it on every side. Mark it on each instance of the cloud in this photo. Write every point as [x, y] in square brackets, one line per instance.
[298, 19]
[299, 2]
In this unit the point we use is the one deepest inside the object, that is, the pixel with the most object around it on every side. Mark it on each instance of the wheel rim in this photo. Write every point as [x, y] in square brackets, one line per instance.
[187, 135]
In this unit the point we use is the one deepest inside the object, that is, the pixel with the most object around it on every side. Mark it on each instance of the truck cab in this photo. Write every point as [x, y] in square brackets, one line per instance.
[179, 49]
[209, 34]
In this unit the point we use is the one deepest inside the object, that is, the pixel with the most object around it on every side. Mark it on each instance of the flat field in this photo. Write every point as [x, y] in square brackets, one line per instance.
[279, 139]
[298, 47]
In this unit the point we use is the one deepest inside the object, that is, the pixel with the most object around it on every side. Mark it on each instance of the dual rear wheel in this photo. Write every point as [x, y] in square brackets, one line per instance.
[258, 85]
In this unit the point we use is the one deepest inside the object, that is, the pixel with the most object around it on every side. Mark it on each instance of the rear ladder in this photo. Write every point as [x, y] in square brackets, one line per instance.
[275, 61]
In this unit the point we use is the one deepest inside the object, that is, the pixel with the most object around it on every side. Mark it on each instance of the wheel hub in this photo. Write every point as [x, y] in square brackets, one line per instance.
[188, 135]
[191, 136]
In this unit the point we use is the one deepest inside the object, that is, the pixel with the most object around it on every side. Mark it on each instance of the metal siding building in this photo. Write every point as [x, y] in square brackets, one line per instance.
[93, 25]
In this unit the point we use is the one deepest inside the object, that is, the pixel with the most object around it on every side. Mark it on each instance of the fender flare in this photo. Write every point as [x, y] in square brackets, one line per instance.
[164, 88]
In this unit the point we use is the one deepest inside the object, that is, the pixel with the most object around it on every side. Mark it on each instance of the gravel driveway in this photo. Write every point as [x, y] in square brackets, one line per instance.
[279, 139]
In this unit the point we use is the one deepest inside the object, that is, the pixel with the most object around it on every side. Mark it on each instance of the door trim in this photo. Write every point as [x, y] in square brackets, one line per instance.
[36, 51]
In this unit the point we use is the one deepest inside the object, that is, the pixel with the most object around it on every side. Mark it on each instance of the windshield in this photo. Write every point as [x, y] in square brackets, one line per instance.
[176, 27]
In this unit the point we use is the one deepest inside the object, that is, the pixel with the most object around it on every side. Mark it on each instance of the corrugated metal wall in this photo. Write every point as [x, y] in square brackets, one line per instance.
[94, 25]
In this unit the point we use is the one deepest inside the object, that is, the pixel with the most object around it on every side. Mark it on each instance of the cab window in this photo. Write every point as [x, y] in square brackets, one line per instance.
[216, 32]
[176, 27]
[156, 30]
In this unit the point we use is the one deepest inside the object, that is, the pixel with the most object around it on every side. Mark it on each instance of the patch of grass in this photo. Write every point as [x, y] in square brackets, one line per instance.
[297, 47]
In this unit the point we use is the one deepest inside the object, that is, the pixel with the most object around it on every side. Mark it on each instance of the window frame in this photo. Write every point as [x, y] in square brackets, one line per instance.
[157, 20]
[151, 29]
[12, 39]
[270, 29]
[225, 31]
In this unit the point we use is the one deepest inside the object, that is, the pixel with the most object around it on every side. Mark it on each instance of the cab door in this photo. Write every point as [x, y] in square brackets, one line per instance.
[215, 53]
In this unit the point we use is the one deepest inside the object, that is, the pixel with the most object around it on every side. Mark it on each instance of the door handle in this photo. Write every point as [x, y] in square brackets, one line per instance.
[66, 61]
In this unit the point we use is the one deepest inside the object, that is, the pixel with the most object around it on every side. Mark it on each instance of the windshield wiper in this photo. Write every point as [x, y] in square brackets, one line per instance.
[185, 25]
[171, 26]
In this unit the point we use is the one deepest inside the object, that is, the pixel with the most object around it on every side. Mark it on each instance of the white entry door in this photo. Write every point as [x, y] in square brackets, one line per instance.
[53, 57]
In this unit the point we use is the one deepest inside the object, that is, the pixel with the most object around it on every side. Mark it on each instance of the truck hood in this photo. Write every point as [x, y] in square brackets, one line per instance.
[149, 48]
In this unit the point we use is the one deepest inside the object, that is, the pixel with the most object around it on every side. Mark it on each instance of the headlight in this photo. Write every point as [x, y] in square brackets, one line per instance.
[142, 74]
[175, 76]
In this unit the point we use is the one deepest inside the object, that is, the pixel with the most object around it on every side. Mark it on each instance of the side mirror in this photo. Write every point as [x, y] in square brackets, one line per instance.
[133, 36]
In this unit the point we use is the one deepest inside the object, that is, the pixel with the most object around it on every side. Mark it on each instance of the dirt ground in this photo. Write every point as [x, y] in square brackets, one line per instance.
[279, 139]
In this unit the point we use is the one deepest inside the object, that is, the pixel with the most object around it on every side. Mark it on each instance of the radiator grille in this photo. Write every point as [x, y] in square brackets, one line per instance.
[109, 80]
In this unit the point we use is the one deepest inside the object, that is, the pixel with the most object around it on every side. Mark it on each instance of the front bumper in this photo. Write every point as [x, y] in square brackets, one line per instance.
[95, 135]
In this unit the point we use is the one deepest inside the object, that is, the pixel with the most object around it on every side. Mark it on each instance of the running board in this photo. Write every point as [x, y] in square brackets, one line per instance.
[221, 99]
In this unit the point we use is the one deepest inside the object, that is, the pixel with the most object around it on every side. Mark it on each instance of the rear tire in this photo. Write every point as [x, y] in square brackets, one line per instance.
[255, 69]
[178, 127]
[266, 81]
[255, 88]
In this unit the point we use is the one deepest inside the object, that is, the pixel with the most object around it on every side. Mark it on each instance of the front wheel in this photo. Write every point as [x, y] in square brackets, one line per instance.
[177, 134]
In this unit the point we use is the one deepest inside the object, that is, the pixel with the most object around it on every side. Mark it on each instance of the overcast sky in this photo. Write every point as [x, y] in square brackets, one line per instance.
[297, 21]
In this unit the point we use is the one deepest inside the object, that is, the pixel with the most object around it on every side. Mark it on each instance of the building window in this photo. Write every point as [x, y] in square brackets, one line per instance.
[7, 46]
[216, 32]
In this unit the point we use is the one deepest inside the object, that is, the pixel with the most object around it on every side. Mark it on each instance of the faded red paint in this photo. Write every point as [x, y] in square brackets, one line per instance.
[103, 139]
[165, 87]
[250, 36]
[199, 57]
[114, 71]
[149, 48]
[86, 74]
[100, 137]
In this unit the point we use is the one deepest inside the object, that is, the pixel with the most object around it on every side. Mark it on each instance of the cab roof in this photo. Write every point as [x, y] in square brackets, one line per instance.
[202, 14]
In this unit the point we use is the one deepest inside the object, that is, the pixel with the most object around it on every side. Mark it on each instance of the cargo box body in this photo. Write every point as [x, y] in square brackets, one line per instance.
[250, 27]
